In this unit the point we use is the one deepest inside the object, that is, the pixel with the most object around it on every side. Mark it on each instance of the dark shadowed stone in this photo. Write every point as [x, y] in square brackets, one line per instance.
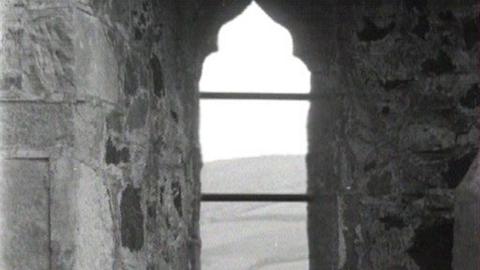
[110, 153]
[397, 267]
[447, 40]
[174, 116]
[123, 155]
[432, 245]
[114, 121]
[142, 19]
[393, 84]
[96, 4]
[457, 169]
[441, 65]
[422, 27]
[120, 11]
[151, 223]
[472, 98]
[446, 16]
[131, 82]
[416, 5]
[137, 33]
[470, 33]
[151, 210]
[139, 23]
[371, 32]
[10, 82]
[114, 156]
[137, 113]
[131, 218]
[157, 72]
[369, 166]
[177, 197]
[385, 110]
[379, 185]
[160, 194]
[393, 222]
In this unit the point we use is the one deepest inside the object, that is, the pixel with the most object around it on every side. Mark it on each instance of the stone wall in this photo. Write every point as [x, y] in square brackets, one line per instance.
[102, 92]
[409, 126]
[466, 248]
[393, 130]
[99, 99]
[392, 133]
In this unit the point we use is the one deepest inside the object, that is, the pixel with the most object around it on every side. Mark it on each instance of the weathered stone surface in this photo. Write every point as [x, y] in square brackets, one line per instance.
[24, 232]
[38, 45]
[86, 82]
[397, 74]
[132, 219]
[158, 85]
[466, 249]
[97, 68]
[109, 89]
[95, 228]
[35, 126]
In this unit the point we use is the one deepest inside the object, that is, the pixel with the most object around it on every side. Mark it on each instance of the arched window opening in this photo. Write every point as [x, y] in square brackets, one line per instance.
[253, 116]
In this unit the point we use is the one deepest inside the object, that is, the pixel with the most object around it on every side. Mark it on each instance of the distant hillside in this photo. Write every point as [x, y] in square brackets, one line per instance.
[268, 174]
[250, 236]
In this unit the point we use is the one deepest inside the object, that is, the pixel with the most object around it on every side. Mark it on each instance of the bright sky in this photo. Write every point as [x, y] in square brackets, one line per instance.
[255, 55]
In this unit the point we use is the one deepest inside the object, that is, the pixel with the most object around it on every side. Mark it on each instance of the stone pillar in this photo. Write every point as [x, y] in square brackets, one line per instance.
[324, 180]
[466, 249]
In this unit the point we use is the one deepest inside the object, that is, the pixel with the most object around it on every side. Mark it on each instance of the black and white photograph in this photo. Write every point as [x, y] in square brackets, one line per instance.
[239, 135]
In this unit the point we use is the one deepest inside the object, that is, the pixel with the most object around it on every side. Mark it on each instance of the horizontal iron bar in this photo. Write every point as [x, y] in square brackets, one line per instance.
[274, 96]
[222, 197]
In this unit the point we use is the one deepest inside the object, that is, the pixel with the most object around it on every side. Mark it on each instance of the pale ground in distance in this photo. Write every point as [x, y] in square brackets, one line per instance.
[255, 55]
[254, 235]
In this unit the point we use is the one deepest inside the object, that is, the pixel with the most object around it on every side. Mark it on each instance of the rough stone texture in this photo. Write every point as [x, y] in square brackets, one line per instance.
[393, 132]
[466, 251]
[106, 92]
[387, 141]
[97, 224]
[384, 145]
[131, 73]
[24, 223]
[103, 92]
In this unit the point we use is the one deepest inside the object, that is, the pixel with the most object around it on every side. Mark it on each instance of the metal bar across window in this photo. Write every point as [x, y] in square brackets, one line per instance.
[271, 96]
[238, 197]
